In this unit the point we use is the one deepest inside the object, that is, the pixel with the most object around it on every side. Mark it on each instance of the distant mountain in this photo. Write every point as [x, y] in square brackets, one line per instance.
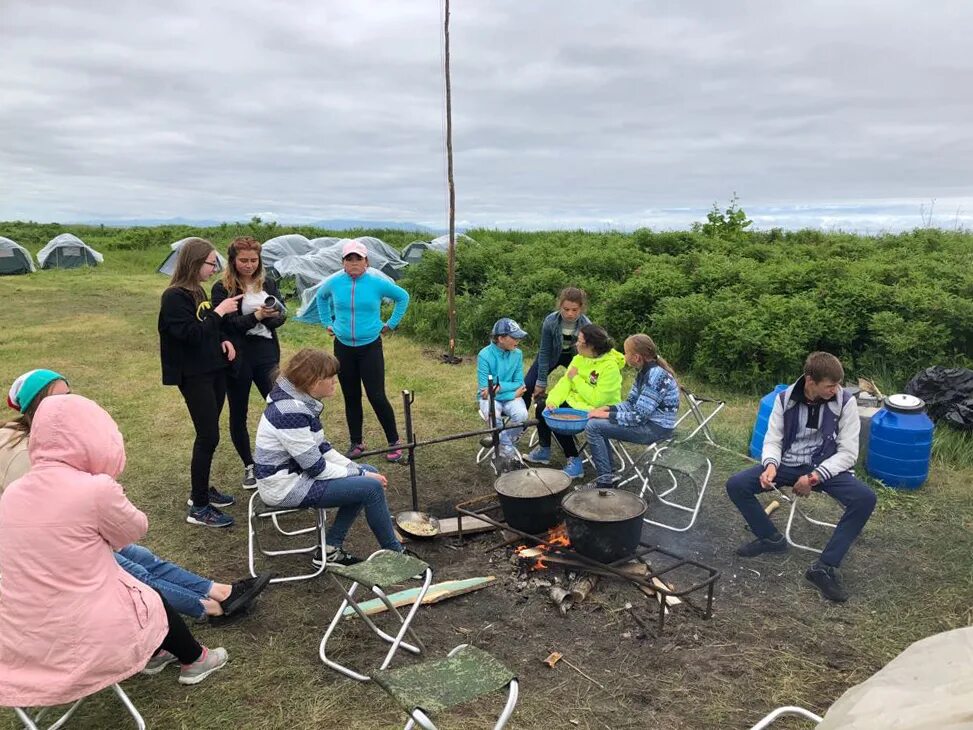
[333, 224]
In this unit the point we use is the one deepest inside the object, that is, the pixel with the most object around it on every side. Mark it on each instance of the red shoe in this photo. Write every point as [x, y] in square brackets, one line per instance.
[395, 454]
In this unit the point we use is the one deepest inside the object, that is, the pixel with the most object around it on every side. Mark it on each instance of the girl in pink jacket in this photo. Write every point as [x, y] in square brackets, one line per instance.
[72, 622]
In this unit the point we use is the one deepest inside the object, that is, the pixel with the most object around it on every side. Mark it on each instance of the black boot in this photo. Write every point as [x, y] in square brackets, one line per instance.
[763, 545]
[826, 579]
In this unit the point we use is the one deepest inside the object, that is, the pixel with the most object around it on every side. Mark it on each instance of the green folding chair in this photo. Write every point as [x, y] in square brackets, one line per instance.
[382, 569]
[465, 674]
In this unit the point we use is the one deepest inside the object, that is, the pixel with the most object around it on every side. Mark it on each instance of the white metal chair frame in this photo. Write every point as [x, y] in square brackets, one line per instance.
[421, 719]
[273, 514]
[796, 509]
[396, 641]
[31, 722]
[649, 456]
[789, 711]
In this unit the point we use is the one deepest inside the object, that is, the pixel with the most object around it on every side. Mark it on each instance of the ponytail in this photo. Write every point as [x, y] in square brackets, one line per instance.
[644, 346]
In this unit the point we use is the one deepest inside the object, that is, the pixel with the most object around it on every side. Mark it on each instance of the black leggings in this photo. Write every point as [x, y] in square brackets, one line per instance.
[530, 379]
[238, 397]
[204, 395]
[364, 365]
[179, 641]
[544, 432]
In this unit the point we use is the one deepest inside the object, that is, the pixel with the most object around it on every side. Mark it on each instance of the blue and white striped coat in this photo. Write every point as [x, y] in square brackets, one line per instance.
[654, 398]
[291, 451]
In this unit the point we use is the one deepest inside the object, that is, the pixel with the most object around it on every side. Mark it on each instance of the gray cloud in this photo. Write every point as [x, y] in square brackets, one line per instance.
[565, 113]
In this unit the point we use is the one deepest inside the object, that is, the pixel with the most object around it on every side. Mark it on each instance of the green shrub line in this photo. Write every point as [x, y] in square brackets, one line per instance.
[733, 307]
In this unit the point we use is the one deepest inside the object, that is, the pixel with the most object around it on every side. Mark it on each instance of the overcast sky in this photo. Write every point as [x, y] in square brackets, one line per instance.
[566, 113]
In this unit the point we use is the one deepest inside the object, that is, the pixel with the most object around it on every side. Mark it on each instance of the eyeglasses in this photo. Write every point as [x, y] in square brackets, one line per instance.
[210, 263]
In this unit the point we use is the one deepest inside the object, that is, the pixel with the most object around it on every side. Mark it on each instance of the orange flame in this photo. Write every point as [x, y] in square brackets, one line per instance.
[557, 536]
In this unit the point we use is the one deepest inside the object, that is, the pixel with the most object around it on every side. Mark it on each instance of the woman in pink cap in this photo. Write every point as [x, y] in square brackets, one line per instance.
[350, 305]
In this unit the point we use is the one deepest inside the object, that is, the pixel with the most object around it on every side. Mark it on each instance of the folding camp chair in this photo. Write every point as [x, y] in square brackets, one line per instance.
[789, 711]
[31, 723]
[382, 569]
[796, 509]
[465, 674]
[257, 511]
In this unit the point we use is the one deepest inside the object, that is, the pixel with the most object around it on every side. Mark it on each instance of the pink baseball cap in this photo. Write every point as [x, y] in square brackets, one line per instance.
[354, 247]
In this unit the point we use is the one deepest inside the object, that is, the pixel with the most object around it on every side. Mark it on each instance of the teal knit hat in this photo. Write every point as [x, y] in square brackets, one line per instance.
[28, 385]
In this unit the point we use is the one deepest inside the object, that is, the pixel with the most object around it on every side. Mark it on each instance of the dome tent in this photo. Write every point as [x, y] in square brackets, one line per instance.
[290, 244]
[168, 266]
[14, 258]
[415, 250]
[67, 251]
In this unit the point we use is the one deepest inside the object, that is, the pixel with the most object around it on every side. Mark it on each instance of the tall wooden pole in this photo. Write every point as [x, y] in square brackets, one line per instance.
[451, 256]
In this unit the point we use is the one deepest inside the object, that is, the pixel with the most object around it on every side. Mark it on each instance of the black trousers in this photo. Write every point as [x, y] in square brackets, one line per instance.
[238, 397]
[204, 395]
[530, 379]
[179, 641]
[566, 440]
[365, 365]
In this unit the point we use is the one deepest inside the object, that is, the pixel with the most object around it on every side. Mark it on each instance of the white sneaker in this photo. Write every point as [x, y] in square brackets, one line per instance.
[159, 662]
[209, 661]
[249, 481]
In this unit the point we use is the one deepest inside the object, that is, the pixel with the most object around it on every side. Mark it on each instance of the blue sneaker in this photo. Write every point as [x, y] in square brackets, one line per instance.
[539, 455]
[208, 516]
[574, 468]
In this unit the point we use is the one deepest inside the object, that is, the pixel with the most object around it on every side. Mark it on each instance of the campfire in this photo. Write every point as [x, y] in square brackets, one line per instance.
[579, 578]
[556, 536]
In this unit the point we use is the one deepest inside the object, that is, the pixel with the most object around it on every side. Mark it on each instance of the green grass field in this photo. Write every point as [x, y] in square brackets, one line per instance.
[771, 641]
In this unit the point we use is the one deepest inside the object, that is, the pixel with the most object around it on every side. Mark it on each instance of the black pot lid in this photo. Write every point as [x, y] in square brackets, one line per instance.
[528, 483]
[905, 403]
[604, 505]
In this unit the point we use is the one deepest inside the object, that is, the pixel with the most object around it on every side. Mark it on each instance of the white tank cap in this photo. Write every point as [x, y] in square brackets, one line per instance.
[905, 402]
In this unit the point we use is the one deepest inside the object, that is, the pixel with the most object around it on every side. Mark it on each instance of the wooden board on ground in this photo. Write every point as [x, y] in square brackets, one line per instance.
[449, 526]
[437, 592]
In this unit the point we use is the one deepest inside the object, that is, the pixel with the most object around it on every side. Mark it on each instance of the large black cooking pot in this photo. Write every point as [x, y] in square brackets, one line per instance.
[530, 498]
[604, 524]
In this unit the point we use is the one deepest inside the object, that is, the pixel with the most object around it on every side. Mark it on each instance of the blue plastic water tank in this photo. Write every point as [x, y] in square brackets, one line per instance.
[763, 418]
[900, 442]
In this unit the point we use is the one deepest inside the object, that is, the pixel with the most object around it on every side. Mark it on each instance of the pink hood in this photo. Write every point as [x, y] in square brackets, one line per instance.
[77, 432]
[72, 621]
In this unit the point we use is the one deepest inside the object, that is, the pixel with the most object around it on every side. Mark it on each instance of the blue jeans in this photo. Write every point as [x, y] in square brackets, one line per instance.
[857, 498]
[184, 590]
[600, 430]
[349, 495]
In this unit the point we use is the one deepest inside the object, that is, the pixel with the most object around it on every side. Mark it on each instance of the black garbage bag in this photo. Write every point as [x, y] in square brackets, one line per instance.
[948, 393]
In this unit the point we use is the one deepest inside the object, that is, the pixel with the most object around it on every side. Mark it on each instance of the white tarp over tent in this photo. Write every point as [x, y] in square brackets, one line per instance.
[14, 258]
[415, 250]
[291, 244]
[168, 266]
[308, 311]
[67, 251]
[324, 259]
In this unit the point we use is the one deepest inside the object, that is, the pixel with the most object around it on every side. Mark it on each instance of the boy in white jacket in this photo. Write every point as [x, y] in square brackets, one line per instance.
[296, 467]
[811, 444]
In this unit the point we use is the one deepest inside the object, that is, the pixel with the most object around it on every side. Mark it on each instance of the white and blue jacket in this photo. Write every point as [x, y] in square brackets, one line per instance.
[654, 398]
[291, 451]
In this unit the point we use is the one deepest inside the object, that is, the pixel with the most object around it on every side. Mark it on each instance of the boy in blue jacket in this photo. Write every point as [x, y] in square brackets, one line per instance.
[505, 362]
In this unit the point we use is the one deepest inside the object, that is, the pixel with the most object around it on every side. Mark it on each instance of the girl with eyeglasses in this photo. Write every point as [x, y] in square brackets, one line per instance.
[195, 355]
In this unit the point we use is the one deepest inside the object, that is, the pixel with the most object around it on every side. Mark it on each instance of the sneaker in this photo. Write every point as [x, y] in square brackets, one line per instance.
[158, 662]
[539, 455]
[355, 451]
[762, 545]
[209, 661]
[826, 579]
[244, 592]
[335, 555]
[609, 482]
[510, 453]
[217, 499]
[208, 516]
[249, 480]
[224, 620]
[395, 455]
[574, 468]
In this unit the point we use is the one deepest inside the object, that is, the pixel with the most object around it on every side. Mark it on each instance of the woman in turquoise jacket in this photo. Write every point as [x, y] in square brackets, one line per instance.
[350, 305]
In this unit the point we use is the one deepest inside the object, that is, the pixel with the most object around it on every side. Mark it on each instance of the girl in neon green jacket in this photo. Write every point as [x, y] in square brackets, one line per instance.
[593, 379]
